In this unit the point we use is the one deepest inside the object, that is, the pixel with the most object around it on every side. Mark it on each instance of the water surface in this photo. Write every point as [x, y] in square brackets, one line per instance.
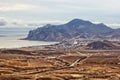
[10, 38]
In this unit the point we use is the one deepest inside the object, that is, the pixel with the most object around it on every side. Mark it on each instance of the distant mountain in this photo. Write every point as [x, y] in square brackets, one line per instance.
[76, 28]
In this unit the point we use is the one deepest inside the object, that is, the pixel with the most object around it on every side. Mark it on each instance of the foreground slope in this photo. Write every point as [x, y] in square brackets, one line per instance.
[71, 65]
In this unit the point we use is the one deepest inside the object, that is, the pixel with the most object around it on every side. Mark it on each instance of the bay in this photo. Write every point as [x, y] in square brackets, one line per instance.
[10, 38]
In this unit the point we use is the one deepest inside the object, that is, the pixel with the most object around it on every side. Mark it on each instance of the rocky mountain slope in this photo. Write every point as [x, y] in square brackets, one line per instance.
[102, 45]
[76, 28]
[115, 34]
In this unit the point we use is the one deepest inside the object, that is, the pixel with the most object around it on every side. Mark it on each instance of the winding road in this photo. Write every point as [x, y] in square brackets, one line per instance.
[81, 60]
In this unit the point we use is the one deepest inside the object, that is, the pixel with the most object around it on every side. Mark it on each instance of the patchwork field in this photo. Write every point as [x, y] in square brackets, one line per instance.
[25, 64]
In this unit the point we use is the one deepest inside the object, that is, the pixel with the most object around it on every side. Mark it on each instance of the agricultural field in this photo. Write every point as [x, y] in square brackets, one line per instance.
[22, 64]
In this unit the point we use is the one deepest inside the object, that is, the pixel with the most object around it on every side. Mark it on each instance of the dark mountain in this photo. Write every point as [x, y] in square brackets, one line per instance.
[100, 45]
[76, 28]
[103, 45]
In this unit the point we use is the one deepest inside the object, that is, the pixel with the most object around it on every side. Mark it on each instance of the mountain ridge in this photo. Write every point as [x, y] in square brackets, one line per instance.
[76, 28]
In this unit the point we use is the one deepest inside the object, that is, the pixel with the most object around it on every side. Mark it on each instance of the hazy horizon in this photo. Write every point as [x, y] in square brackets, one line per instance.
[29, 13]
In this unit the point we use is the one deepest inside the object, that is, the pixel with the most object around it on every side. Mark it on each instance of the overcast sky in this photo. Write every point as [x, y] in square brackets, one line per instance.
[39, 12]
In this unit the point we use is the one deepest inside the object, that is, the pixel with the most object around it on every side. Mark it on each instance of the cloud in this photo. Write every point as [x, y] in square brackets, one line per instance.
[3, 21]
[114, 25]
[40, 12]
[15, 7]
[44, 22]
[98, 5]
[8, 22]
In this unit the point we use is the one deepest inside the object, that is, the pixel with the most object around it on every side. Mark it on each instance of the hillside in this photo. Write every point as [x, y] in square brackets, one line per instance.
[115, 34]
[76, 28]
[46, 64]
[100, 45]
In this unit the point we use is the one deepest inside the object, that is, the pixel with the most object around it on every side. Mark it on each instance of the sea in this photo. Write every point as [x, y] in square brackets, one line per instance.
[11, 38]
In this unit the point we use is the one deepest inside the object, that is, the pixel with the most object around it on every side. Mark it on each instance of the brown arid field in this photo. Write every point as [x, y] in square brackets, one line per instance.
[44, 64]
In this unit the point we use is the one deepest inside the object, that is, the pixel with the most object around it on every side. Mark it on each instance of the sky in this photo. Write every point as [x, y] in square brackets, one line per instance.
[27, 13]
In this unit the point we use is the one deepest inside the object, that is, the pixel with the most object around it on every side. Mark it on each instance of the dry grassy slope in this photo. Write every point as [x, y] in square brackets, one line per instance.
[101, 65]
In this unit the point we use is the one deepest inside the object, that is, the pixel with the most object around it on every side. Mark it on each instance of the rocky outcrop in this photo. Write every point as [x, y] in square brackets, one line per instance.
[101, 45]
